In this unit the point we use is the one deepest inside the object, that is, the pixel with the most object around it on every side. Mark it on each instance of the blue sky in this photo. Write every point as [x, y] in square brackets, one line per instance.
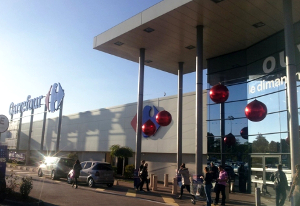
[45, 42]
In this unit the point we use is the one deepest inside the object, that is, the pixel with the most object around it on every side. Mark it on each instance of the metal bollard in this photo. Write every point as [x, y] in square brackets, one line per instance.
[154, 188]
[257, 196]
[151, 180]
[227, 188]
[174, 186]
[166, 180]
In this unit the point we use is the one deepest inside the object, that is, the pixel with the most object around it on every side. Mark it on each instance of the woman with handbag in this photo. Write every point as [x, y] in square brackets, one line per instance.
[76, 172]
[207, 181]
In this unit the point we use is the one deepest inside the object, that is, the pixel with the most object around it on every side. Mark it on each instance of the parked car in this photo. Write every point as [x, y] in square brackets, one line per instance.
[55, 167]
[94, 172]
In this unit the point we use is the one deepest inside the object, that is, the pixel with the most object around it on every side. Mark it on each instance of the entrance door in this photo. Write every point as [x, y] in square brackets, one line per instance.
[261, 169]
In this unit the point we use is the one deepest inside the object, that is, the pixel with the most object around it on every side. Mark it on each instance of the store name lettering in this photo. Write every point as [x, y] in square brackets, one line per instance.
[269, 64]
[26, 105]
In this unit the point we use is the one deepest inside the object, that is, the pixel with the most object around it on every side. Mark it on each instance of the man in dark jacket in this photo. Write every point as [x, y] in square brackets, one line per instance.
[76, 172]
[214, 171]
[280, 185]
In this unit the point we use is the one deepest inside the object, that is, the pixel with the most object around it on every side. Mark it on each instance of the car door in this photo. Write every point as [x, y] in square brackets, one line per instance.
[84, 173]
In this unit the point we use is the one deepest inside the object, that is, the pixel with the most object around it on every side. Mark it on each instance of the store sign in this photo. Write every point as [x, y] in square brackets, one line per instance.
[53, 101]
[269, 65]
[54, 97]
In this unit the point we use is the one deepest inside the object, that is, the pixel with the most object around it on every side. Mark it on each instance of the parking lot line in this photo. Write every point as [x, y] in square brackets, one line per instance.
[100, 189]
[169, 201]
[131, 193]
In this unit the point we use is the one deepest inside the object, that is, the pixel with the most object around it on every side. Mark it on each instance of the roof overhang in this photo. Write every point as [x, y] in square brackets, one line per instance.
[228, 27]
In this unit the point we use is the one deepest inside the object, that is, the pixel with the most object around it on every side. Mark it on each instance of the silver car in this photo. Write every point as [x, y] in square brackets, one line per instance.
[94, 172]
[55, 167]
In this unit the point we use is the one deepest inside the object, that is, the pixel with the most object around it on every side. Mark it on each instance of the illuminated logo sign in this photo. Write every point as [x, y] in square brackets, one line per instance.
[54, 97]
[146, 117]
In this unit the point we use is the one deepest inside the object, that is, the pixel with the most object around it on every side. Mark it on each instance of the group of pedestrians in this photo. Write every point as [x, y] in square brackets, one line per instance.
[143, 175]
[217, 174]
[281, 185]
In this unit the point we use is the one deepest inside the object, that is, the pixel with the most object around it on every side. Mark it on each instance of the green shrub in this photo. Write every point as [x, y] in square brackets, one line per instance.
[26, 186]
[129, 169]
[11, 182]
[73, 156]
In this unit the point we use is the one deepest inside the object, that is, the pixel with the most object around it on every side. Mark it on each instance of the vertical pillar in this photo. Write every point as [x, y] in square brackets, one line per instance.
[199, 101]
[291, 84]
[43, 129]
[179, 115]
[222, 145]
[29, 137]
[19, 132]
[59, 126]
[140, 109]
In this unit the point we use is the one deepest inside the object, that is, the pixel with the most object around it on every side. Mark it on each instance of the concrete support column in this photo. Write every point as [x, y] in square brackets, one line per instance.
[140, 109]
[43, 129]
[59, 126]
[179, 115]
[29, 137]
[291, 84]
[199, 101]
[222, 116]
[19, 132]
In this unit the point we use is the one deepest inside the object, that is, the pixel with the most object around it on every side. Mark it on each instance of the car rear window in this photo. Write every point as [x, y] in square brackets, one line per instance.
[67, 162]
[102, 167]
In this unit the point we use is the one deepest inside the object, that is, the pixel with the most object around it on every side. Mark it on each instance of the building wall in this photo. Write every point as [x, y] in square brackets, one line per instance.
[91, 133]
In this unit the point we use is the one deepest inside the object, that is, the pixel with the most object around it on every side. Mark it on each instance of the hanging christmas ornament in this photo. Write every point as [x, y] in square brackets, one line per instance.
[149, 128]
[163, 118]
[256, 111]
[244, 132]
[287, 140]
[219, 93]
[229, 139]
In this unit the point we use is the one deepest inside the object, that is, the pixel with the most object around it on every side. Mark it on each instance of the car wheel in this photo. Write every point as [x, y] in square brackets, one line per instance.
[109, 185]
[91, 182]
[69, 179]
[40, 173]
[53, 175]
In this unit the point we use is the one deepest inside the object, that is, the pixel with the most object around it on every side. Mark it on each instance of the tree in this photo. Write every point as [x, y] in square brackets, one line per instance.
[121, 152]
[260, 145]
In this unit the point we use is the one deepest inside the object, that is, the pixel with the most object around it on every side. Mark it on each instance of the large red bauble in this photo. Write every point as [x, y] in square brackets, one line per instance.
[256, 111]
[219, 93]
[229, 139]
[244, 132]
[149, 128]
[163, 118]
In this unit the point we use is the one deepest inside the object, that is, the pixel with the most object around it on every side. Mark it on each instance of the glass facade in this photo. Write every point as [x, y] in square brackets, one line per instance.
[256, 73]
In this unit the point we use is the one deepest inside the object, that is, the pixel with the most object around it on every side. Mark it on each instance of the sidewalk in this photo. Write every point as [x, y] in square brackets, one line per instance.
[164, 194]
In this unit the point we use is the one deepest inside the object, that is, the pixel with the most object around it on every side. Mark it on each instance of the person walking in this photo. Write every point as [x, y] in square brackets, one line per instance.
[280, 185]
[140, 174]
[144, 177]
[185, 178]
[220, 185]
[295, 188]
[207, 180]
[76, 172]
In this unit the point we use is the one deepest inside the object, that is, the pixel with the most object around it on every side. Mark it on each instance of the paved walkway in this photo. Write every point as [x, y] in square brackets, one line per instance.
[164, 194]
